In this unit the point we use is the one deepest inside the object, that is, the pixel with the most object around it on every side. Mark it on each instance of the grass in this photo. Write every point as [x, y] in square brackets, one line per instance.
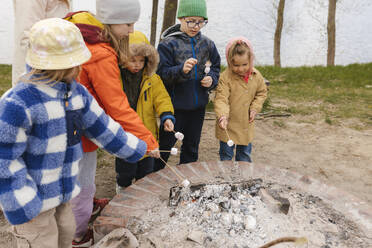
[5, 78]
[335, 93]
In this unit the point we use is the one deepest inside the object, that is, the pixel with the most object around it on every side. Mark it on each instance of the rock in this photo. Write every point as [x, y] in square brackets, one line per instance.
[197, 237]
[118, 238]
[249, 222]
[226, 219]
[275, 203]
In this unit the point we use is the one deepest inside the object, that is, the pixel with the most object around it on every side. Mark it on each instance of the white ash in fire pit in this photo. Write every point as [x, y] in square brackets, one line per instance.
[247, 214]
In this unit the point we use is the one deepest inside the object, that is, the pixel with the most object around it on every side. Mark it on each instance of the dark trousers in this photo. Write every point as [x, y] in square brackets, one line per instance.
[126, 172]
[190, 123]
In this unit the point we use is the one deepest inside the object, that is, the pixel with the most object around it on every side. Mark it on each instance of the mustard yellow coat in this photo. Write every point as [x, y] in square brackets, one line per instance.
[234, 99]
[152, 102]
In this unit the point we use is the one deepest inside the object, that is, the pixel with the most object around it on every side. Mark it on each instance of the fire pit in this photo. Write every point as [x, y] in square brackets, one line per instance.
[237, 205]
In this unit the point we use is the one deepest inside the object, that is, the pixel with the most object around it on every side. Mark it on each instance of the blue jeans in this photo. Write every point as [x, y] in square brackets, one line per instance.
[243, 153]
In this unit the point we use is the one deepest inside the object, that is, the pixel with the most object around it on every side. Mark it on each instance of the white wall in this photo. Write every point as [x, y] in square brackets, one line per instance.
[304, 34]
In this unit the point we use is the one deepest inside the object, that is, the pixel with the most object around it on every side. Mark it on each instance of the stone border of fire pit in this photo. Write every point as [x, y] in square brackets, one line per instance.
[141, 196]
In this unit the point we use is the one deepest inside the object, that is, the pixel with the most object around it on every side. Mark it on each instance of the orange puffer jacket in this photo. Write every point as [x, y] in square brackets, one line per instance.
[101, 76]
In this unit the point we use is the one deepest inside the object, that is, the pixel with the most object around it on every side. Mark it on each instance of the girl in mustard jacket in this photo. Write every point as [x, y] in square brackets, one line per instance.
[147, 95]
[241, 92]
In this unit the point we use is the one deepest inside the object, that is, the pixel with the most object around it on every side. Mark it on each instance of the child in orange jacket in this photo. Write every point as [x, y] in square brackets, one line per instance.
[107, 38]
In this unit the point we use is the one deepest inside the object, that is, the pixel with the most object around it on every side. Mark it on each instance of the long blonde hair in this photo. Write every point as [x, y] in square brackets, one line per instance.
[49, 76]
[121, 46]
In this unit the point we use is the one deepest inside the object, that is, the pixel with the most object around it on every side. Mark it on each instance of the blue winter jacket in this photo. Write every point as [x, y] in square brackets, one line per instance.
[185, 89]
[40, 145]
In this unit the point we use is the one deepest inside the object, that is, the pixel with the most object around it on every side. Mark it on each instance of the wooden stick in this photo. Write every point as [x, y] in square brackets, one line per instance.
[285, 239]
[175, 172]
[227, 134]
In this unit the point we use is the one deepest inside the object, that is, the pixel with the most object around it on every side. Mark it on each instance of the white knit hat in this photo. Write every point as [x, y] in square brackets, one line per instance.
[118, 11]
[56, 44]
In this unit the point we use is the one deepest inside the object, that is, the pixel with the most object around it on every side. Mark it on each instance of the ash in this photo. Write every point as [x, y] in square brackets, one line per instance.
[235, 215]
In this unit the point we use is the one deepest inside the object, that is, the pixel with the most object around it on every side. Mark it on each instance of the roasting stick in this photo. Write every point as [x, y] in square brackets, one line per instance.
[230, 142]
[185, 182]
[227, 134]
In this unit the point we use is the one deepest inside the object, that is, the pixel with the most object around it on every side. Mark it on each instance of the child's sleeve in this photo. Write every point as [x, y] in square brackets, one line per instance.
[18, 192]
[261, 94]
[221, 101]
[108, 134]
[162, 101]
[168, 70]
[216, 66]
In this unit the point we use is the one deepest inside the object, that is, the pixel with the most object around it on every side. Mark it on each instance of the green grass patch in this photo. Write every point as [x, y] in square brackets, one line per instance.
[340, 92]
[5, 78]
[337, 93]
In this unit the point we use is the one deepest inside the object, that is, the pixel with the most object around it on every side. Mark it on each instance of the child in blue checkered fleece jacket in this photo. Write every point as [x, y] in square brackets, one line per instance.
[41, 122]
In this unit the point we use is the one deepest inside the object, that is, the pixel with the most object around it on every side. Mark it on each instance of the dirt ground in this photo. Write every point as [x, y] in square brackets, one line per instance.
[336, 155]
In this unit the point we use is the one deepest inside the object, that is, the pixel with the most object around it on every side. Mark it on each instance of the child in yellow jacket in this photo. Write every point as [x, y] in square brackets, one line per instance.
[148, 97]
[240, 94]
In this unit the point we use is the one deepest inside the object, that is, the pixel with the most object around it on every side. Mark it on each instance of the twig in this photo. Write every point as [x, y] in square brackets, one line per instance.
[302, 240]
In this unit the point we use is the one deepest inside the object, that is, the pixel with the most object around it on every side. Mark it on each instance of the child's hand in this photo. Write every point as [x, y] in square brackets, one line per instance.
[154, 153]
[189, 64]
[252, 115]
[207, 81]
[222, 122]
[168, 125]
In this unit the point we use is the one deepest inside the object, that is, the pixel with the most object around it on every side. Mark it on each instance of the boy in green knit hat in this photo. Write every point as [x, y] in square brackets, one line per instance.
[190, 68]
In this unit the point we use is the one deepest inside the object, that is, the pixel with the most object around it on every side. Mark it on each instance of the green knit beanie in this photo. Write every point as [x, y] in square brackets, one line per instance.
[192, 8]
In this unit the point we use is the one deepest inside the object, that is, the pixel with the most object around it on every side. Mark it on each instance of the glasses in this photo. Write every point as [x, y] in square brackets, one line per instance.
[192, 24]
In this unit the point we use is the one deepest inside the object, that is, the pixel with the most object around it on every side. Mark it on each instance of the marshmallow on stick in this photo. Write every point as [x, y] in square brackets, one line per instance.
[179, 136]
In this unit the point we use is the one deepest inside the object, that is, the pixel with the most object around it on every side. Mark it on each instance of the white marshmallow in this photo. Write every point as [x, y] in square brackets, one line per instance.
[174, 151]
[207, 69]
[230, 143]
[185, 183]
[179, 136]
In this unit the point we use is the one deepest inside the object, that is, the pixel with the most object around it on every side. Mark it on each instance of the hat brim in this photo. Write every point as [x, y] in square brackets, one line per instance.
[58, 61]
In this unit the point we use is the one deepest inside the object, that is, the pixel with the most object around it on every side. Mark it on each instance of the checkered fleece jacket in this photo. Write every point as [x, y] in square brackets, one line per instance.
[40, 145]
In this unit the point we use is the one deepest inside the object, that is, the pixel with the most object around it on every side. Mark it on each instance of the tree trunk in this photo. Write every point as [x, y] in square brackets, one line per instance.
[278, 33]
[331, 30]
[154, 18]
[170, 12]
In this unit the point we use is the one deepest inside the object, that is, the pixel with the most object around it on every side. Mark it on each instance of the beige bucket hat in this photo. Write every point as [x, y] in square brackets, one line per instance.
[56, 44]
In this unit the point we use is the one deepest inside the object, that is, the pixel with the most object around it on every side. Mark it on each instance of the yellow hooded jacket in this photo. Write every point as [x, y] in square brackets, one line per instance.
[154, 100]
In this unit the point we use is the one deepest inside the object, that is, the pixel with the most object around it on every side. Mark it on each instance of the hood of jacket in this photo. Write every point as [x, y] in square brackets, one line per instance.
[150, 54]
[248, 43]
[89, 26]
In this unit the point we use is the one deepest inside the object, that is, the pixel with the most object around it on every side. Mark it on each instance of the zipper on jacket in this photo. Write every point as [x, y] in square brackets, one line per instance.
[196, 72]
[65, 96]
[65, 99]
